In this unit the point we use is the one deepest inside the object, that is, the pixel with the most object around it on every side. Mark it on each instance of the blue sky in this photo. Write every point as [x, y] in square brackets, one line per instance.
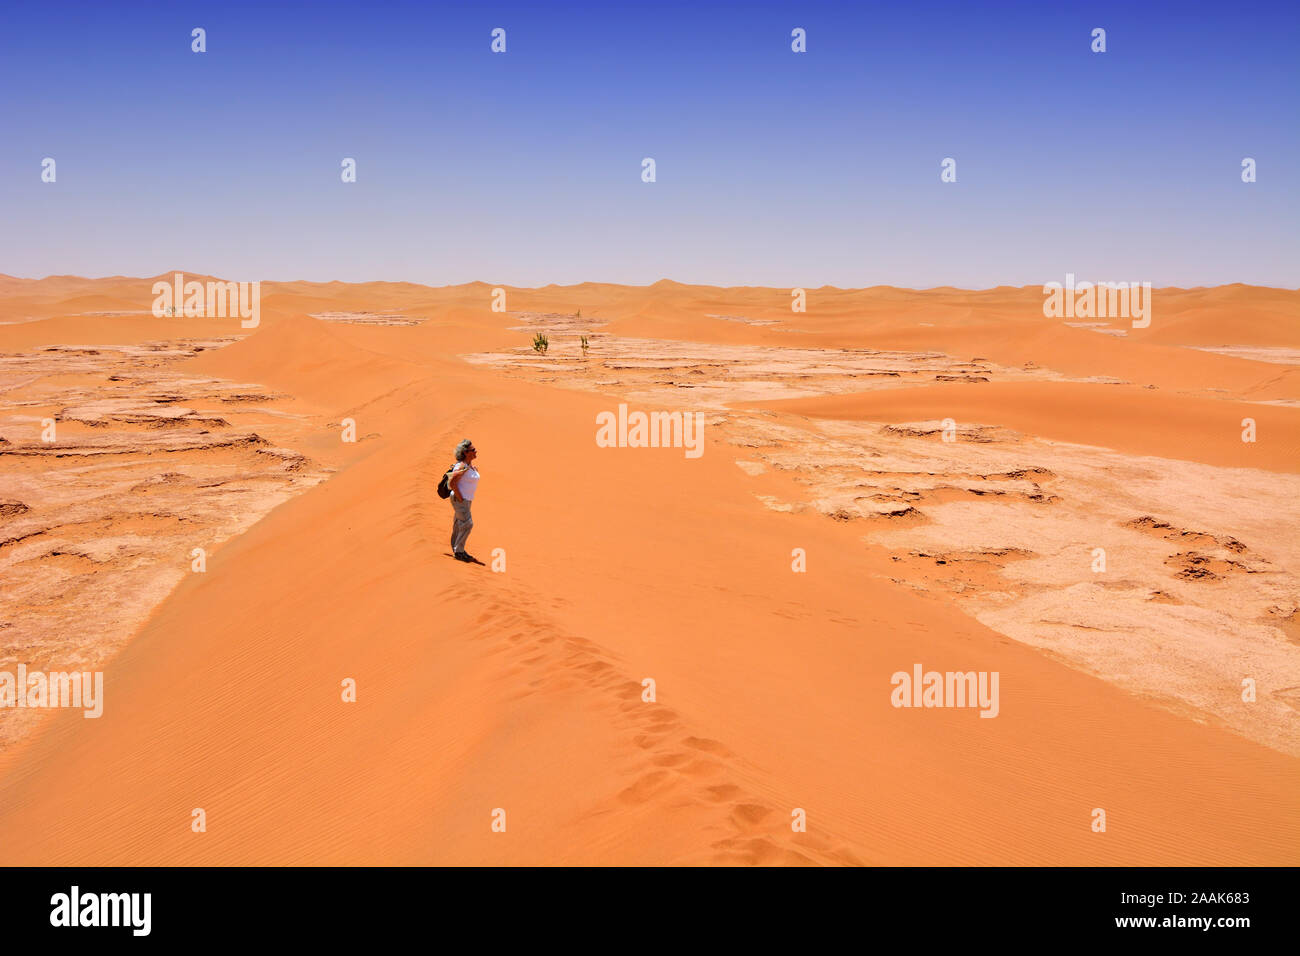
[773, 168]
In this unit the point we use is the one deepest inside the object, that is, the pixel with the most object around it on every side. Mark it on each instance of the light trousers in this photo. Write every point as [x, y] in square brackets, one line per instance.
[461, 525]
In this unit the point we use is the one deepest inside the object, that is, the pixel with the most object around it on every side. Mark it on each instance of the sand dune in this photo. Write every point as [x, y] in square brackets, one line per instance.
[1123, 417]
[522, 689]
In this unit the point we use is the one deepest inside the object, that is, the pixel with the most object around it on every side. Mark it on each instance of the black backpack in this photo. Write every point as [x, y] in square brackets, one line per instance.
[444, 490]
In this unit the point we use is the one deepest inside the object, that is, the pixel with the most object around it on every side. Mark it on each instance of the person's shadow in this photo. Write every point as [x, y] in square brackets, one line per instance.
[472, 559]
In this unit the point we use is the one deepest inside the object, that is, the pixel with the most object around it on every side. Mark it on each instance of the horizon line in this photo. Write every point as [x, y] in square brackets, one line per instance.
[630, 285]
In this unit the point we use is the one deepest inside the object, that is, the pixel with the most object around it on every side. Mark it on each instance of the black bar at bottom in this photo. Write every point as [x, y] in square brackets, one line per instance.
[331, 905]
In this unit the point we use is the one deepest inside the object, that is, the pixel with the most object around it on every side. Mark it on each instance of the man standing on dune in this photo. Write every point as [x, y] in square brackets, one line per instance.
[463, 482]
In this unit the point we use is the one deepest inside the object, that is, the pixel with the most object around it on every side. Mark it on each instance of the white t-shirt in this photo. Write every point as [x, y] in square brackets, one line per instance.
[468, 480]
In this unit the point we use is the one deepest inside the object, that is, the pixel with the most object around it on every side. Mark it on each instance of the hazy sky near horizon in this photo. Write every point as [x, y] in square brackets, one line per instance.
[773, 167]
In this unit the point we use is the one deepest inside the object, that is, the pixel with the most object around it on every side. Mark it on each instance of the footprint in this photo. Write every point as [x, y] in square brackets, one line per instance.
[723, 791]
[672, 760]
[707, 745]
[702, 767]
[645, 787]
[755, 851]
[750, 814]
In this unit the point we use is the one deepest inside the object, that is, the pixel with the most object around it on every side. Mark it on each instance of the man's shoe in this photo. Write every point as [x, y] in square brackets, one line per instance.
[460, 556]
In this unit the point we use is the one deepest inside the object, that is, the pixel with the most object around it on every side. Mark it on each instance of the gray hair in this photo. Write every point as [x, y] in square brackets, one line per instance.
[465, 443]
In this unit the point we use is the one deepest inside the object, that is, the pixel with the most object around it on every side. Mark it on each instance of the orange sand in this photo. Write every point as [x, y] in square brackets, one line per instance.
[522, 690]
[1123, 417]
